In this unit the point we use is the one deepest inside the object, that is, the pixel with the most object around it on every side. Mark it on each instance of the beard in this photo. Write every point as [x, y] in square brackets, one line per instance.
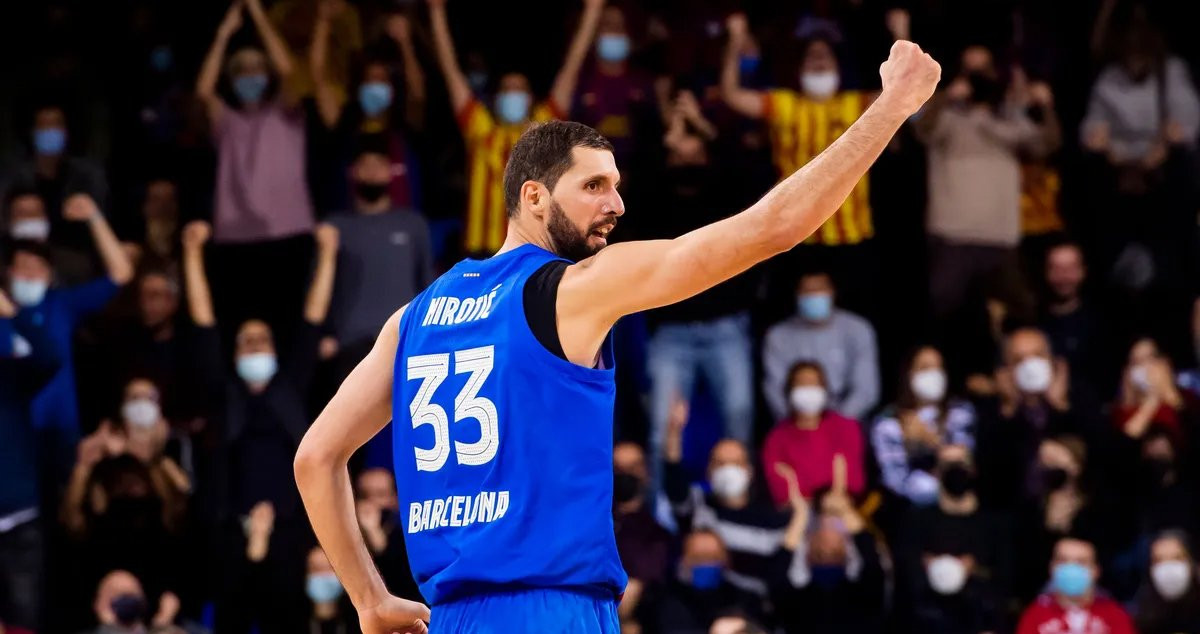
[566, 239]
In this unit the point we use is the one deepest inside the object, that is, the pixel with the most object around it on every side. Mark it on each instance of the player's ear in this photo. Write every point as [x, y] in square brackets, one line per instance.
[535, 197]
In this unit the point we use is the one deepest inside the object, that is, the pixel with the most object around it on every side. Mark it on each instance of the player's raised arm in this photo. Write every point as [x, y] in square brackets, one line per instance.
[630, 277]
[361, 407]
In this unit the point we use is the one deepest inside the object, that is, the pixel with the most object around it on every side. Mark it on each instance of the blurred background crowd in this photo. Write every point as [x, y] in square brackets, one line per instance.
[969, 403]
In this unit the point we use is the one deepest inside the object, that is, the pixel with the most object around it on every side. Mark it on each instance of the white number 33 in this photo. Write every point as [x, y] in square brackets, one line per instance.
[432, 369]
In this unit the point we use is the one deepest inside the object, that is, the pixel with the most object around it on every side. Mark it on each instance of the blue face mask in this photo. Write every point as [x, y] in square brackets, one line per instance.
[706, 577]
[160, 58]
[250, 88]
[323, 587]
[512, 106]
[828, 576]
[50, 141]
[747, 66]
[27, 292]
[258, 367]
[815, 306]
[1071, 579]
[374, 97]
[612, 47]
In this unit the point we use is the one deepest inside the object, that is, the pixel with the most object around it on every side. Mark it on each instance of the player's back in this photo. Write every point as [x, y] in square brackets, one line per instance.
[503, 450]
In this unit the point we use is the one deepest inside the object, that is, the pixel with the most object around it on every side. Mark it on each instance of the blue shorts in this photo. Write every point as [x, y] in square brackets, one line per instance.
[532, 611]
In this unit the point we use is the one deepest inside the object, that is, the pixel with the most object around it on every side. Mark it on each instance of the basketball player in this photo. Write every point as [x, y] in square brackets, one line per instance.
[500, 380]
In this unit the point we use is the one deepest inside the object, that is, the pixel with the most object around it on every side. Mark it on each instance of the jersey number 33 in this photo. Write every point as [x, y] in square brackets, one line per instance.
[432, 370]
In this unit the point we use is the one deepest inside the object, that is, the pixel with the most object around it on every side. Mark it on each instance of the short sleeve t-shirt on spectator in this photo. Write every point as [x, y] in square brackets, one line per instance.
[488, 146]
[800, 129]
[261, 188]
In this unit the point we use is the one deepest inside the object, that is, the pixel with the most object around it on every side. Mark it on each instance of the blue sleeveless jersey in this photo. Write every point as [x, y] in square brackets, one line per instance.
[503, 450]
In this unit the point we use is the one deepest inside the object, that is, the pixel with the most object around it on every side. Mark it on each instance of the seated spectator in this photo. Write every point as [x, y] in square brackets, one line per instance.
[1149, 395]
[752, 529]
[22, 569]
[379, 518]
[53, 174]
[1035, 402]
[121, 607]
[160, 213]
[379, 108]
[953, 558]
[1071, 320]
[63, 309]
[642, 544]
[490, 133]
[262, 417]
[810, 436]
[1169, 600]
[909, 434]
[1064, 505]
[1072, 601]
[836, 580]
[700, 591]
[841, 342]
[28, 219]
[331, 610]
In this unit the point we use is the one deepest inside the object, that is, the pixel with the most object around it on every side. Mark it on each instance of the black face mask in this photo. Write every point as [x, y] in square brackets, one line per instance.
[985, 89]
[370, 192]
[1054, 478]
[1155, 472]
[921, 457]
[957, 480]
[130, 609]
[626, 487]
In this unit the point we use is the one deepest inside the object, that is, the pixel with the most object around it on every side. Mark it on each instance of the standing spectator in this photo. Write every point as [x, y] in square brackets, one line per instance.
[331, 611]
[975, 135]
[615, 97]
[842, 343]
[1073, 602]
[29, 219]
[1169, 600]
[753, 530]
[54, 174]
[953, 565]
[379, 108]
[63, 309]
[802, 124]
[708, 334]
[642, 544]
[811, 438]
[121, 608]
[379, 518]
[262, 205]
[261, 418]
[489, 141]
[1077, 329]
[908, 436]
[384, 258]
[21, 533]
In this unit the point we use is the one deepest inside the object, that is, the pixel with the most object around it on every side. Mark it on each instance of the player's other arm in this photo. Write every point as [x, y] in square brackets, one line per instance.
[361, 407]
[634, 276]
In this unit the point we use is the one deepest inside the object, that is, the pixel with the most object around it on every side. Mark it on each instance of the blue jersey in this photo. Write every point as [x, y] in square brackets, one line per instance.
[503, 450]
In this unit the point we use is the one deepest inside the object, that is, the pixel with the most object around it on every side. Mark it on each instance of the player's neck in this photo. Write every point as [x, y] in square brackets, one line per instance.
[519, 236]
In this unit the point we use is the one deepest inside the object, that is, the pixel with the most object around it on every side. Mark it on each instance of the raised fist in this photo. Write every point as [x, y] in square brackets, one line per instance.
[80, 208]
[196, 233]
[326, 236]
[738, 26]
[909, 77]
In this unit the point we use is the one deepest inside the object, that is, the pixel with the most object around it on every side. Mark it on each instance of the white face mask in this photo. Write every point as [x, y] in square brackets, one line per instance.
[819, 85]
[808, 399]
[929, 386]
[730, 481]
[947, 574]
[36, 229]
[1171, 578]
[1140, 375]
[141, 412]
[1033, 375]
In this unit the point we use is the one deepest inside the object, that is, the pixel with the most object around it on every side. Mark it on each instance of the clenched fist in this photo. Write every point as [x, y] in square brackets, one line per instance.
[909, 77]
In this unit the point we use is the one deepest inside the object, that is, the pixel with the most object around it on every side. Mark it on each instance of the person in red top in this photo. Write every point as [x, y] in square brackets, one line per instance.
[809, 438]
[1148, 395]
[1072, 604]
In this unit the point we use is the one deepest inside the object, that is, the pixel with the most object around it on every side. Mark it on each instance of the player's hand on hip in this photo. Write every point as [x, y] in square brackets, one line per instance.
[394, 615]
[909, 77]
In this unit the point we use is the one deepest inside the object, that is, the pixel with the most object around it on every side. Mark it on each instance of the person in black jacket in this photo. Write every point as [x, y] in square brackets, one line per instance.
[21, 534]
[1169, 600]
[259, 418]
